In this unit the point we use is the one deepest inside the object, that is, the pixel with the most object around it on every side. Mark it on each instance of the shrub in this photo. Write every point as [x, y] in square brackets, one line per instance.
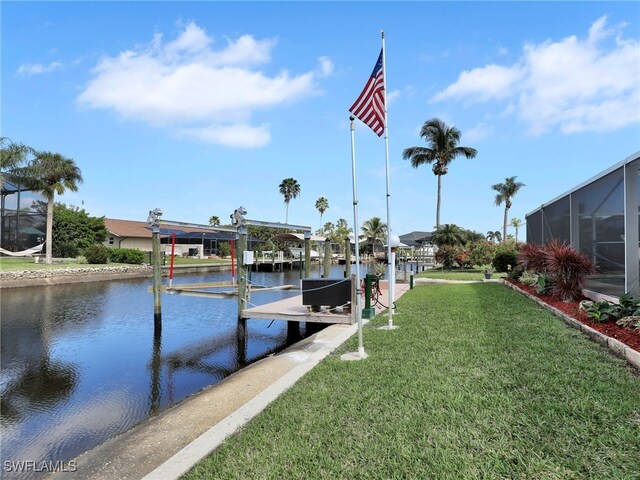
[505, 257]
[224, 249]
[446, 255]
[567, 267]
[482, 253]
[531, 257]
[65, 250]
[126, 255]
[529, 278]
[96, 254]
[601, 312]
[544, 285]
[463, 258]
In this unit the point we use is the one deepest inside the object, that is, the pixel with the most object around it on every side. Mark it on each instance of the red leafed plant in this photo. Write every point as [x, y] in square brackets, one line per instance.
[567, 269]
[532, 257]
[560, 263]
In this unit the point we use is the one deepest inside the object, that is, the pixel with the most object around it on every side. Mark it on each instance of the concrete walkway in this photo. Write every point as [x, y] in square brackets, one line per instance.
[168, 445]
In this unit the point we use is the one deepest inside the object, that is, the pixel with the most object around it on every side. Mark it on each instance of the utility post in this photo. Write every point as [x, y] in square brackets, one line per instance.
[154, 222]
[307, 254]
[327, 258]
[347, 257]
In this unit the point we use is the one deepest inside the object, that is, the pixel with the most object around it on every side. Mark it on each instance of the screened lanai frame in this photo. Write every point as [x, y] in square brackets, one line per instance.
[599, 217]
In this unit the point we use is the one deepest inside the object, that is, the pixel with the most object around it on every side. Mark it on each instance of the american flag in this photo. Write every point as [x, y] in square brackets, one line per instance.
[369, 107]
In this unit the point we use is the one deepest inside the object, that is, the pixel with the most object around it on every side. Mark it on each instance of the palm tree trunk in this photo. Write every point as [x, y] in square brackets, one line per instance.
[438, 202]
[286, 212]
[504, 225]
[516, 235]
[49, 245]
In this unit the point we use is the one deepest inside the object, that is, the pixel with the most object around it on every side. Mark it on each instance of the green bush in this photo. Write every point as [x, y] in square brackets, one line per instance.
[96, 254]
[224, 249]
[126, 255]
[505, 257]
[481, 253]
[446, 255]
[65, 250]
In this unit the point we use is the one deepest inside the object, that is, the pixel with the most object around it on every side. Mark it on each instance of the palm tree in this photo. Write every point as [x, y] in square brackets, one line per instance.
[448, 234]
[13, 156]
[322, 205]
[516, 223]
[505, 191]
[374, 229]
[289, 188]
[51, 173]
[443, 148]
[214, 220]
[494, 236]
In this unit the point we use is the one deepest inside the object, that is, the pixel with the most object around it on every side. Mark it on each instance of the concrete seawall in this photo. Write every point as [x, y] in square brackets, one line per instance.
[60, 276]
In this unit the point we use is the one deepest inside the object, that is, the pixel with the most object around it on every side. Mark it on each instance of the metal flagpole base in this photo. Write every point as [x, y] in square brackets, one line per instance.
[349, 356]
[388, 327]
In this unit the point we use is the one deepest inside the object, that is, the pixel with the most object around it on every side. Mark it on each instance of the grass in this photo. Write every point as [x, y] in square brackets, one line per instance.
[197, 261]
[462, 274]
[27, 263]
[478, 382]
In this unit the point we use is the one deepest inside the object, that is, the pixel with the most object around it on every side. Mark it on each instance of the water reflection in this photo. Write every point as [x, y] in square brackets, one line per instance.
[81, 363]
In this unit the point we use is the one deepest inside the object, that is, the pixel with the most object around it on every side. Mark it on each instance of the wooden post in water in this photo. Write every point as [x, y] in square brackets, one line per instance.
[307, 254]
[347, 258]
[154, 222]
[242, 271]
[326, 264]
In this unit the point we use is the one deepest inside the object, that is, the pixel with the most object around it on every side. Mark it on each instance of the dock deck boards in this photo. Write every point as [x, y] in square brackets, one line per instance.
[292, 309]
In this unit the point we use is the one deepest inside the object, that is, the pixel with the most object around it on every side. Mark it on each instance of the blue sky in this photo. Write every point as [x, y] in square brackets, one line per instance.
[200, 107]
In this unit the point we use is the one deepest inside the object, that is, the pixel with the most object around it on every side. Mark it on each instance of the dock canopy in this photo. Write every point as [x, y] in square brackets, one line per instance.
[297, 237]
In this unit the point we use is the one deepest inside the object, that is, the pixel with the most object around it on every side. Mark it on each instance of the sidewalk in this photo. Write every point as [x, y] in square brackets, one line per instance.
[168, 445]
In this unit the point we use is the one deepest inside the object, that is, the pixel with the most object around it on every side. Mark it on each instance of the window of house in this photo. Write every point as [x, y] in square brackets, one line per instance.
[111, 241]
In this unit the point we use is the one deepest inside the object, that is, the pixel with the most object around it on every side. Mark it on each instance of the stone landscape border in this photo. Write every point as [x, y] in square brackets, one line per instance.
[56, 276]
[616, 347]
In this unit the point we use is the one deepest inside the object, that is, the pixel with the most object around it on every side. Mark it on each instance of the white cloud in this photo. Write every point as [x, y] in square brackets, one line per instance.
[187, 86]
[479, 132]
[37, 68]
[237, 136]
[574, 85]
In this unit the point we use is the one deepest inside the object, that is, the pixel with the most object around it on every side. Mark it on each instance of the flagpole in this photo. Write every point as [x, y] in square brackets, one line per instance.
[361, 353]
[390, 266]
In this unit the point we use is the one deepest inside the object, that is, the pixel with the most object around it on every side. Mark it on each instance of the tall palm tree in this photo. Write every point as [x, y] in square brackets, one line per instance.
[322, 205]
[374, 229]
[13, 157]
[214, 220]
[51, 173]
[505, 191]
[448, 234]
[443, 148]
[516, 223]
[289, 188]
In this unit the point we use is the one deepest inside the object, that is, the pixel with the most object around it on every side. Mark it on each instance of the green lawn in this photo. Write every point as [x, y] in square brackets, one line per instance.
[478, 382]
[463, 274]
[26, 263]
[197, 261]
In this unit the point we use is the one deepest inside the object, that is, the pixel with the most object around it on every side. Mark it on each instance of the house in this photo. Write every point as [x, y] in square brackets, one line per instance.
[416, 239]
[192, 242]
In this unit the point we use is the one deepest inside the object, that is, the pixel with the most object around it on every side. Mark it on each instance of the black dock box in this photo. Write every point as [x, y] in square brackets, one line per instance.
[332, 292]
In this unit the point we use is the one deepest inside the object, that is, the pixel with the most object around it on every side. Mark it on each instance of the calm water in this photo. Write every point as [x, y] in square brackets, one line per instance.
[80, 363]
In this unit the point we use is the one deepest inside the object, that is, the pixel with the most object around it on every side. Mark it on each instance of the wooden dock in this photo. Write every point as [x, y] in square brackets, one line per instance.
[292, 309]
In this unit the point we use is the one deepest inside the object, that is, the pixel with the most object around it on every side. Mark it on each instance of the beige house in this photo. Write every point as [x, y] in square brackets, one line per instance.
[190, 242]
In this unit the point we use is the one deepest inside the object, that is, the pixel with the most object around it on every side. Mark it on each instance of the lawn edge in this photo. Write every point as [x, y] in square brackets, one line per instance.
[616, 347]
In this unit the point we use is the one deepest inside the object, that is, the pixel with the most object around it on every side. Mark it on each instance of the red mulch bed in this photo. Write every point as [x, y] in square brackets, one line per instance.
[610, 329]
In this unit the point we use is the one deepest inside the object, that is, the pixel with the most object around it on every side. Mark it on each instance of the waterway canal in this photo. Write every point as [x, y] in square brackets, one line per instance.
[80, 363]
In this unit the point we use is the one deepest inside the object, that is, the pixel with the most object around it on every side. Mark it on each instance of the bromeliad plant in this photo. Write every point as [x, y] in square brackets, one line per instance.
[626, 312]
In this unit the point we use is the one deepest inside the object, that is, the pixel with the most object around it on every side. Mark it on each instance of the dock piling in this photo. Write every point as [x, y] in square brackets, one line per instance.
[154, 222]
[326, 264]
